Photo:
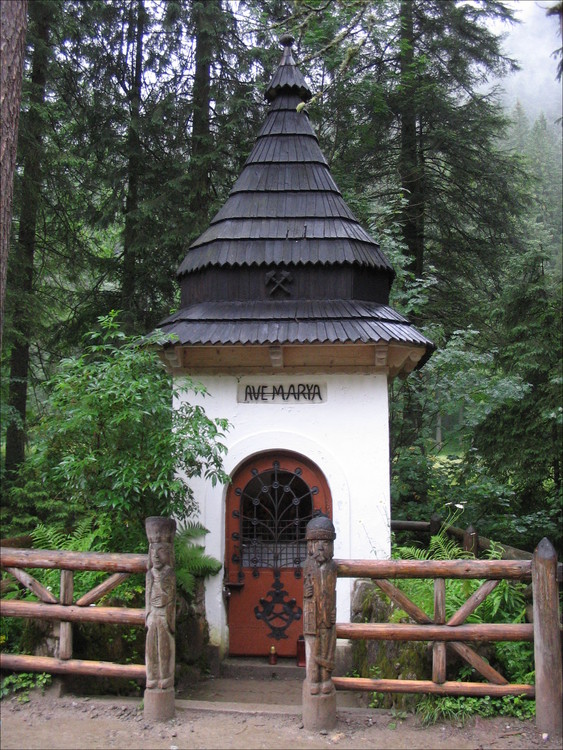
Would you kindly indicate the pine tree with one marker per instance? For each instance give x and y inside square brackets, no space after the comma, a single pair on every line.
[21,276]
[13,24]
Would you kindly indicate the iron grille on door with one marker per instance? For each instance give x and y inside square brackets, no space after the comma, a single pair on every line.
[275,507]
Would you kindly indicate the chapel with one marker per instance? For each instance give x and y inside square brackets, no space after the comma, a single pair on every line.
[285,319]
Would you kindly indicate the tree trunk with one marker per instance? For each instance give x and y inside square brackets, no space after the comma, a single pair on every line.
[409,166]
[204,16]
[13,24]
[21,278]
[134,168]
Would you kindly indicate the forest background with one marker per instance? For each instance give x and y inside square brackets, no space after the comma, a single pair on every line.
[136,118]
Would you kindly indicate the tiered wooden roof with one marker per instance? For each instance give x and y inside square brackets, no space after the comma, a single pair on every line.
[285,261]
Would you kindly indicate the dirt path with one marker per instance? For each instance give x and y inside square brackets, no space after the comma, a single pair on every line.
[52,723]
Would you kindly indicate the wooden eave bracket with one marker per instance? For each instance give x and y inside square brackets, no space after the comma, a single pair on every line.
[401,360]
[172,358]
[381,357]
[276,356]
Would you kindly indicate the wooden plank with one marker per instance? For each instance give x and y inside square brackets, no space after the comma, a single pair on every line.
[402,601]
[410,525]
[226,356]
[382,631]
[547,639]
[478,663]
[102,589]
[439,648]
[72,613]
[33,585]
[68,560]
[329,355]
[23,663]
[476,598]
[426,686]
[65,628]
[511,569]
[252,357]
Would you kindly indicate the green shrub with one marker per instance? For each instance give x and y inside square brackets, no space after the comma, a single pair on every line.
[433,708]
[22,683]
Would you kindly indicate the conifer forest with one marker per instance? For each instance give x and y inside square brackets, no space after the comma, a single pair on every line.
[135,119]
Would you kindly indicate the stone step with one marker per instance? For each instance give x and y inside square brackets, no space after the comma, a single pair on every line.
[258,668]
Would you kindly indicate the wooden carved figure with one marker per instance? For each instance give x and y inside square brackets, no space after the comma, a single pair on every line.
[160,603]
[319,605]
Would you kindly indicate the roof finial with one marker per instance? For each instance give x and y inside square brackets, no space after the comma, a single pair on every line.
[286,40]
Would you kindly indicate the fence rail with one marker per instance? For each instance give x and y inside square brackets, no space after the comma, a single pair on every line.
[471,540]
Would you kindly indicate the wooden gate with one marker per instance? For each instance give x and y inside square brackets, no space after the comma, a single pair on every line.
[269,503]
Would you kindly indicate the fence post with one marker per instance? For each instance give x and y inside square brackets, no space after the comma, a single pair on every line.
[160,619]
[319,626]
[435,524]
[439,647]
[65,628]
[471,540]
[547,639]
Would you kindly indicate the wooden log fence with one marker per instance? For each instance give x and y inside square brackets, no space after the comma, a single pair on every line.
[470,539]
[63,610]
[545,632]
[158,615]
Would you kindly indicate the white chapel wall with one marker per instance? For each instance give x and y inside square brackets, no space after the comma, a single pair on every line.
[345,434]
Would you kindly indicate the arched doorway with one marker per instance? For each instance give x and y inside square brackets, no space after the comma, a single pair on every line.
[272,497]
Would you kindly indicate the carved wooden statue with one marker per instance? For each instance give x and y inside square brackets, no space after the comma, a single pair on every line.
[160,603]
[319,605]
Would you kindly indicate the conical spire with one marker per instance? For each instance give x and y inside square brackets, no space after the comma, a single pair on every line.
[285,261]
[285,207]
[288,77]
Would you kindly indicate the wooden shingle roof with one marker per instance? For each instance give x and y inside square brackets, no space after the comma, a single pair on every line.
[285,260]
[289,322]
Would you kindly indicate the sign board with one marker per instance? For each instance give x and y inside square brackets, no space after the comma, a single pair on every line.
[293,392]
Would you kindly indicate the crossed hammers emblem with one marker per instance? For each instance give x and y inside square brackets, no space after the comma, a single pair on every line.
[279,280]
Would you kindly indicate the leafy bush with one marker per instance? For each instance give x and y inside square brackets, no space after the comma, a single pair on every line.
[433,708]
[112,442]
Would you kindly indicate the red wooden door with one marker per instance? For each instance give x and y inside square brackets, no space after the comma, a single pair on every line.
[270,501]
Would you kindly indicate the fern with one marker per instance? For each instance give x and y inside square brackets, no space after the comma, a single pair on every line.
[82,539]
[442,547]
[191,560]
[505,603]
[48,537]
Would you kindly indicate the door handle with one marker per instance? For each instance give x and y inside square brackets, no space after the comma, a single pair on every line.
[229,586]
